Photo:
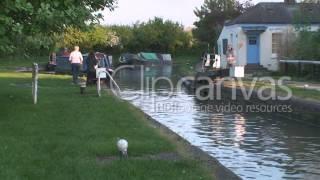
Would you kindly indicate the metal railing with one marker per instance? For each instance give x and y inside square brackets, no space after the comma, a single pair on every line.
[299,61]
[300,67]
[113,82]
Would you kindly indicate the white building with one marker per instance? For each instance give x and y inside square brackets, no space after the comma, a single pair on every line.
[256,35]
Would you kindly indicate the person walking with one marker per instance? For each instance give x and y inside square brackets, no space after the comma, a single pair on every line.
[52,62]
[65,52]
[230,57]
[76,61]
[92,62]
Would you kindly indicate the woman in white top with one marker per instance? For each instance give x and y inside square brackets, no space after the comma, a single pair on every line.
[230,57]
[76,60]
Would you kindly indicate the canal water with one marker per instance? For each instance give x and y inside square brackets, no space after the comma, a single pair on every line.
[252,145]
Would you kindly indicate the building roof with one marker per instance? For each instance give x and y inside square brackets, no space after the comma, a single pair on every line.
[280,13]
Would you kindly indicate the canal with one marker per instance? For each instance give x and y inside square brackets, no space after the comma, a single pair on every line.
[252,145]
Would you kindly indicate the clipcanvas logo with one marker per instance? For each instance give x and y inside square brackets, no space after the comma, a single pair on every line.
[264,88]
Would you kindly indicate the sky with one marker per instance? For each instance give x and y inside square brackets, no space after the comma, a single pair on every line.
[131,11]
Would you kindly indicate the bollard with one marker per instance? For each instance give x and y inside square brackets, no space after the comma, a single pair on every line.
[83,87]
[35,72]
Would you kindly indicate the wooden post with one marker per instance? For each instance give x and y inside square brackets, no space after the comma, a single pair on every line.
[299,69]
[317,71]
[313,71]
[286,68]
[99,86]
[35,71]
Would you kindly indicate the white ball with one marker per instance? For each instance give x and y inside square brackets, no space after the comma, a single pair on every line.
[122,145]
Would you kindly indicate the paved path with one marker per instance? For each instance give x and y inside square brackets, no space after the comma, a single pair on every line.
[300,84]
[305,85]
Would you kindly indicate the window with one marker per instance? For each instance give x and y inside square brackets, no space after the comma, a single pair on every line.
[225,46]
[231,37]
[252,41]
[276,42]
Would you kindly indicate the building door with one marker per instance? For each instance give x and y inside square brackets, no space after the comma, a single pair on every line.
[253,53]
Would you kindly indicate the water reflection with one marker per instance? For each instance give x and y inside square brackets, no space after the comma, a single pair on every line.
[240,129]
[254,146]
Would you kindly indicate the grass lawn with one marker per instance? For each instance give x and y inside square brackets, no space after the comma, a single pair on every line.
[305,93]
[62,136]
[12,62]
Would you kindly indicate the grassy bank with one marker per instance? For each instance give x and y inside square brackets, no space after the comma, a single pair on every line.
[305,93]
[13,62]
[308,94]
[66,133]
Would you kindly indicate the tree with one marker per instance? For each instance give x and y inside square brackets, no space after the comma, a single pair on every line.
[307,45]
[212,16]
[160,35]
[155,35]
[125,34]
[97,38]
[22,19]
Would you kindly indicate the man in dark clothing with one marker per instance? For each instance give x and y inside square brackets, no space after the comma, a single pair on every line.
[92,62]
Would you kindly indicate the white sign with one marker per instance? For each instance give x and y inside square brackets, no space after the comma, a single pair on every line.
[101,73]
[110,60]
[237,71]
[217,62]
[166,57]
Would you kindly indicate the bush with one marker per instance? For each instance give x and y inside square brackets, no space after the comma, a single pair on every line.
[98,38]
[308,45]
[155,35]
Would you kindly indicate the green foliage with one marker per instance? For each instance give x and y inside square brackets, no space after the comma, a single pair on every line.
[212,16]
[98,38]
[12,62]
[24,20]
[125,34]
[307,45]
[155,35]
[101,37]
[304,45]
[311,1]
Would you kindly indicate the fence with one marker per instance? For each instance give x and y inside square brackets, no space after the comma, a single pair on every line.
[301,68]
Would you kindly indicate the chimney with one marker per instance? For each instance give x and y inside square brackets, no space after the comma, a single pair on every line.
[290,1]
